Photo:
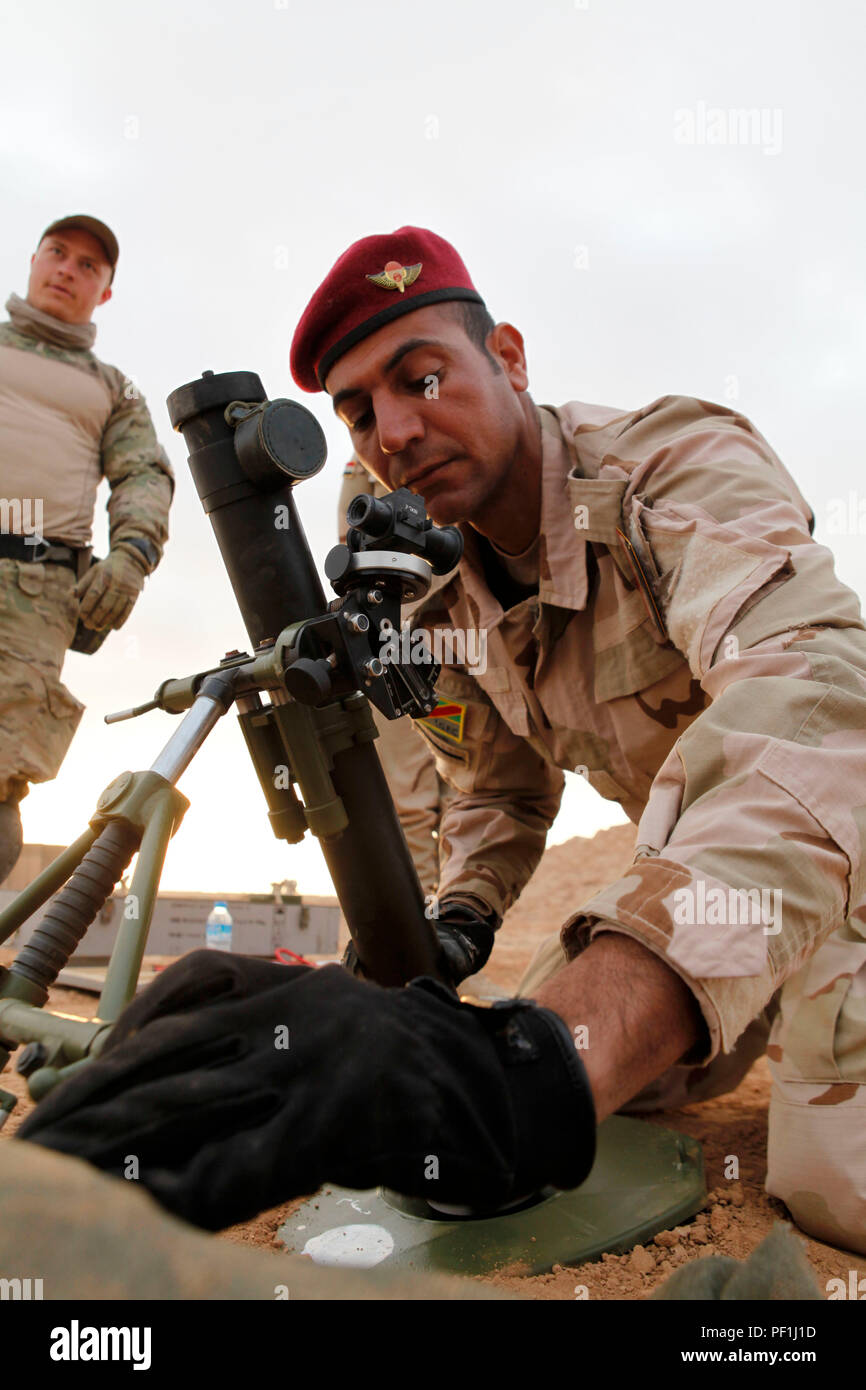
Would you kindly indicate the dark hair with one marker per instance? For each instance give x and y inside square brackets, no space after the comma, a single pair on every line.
[477,322]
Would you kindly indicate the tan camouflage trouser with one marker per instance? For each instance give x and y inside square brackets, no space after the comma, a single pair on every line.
[814,1034]
[38,715]
[420,795]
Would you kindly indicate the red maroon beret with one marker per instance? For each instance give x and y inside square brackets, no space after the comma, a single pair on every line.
[376,280]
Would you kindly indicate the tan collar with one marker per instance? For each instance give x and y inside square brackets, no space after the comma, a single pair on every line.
[562,558]
[563,562]
[37,324]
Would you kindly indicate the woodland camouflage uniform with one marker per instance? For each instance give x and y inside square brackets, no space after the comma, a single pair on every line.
[66,421]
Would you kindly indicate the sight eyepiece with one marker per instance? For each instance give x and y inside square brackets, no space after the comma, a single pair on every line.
[444,548]
[400,522]
[370,515]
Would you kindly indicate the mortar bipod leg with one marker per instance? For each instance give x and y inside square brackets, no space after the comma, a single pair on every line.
[128,951]
[164,811]
[44,886]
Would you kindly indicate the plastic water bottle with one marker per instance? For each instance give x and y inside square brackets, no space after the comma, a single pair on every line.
[218,931]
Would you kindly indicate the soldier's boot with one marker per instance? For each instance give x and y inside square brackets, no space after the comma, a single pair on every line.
[10,837]
[816,1152]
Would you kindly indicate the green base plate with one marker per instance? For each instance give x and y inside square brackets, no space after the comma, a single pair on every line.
[644,1180]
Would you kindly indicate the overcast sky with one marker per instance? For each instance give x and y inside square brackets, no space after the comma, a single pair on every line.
[589,162]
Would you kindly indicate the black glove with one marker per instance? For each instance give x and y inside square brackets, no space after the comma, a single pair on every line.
[238,1084]
[465,937]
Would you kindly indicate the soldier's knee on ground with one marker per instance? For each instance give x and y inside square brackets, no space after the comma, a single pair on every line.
[10,837]
[816,1160]
[816,1155]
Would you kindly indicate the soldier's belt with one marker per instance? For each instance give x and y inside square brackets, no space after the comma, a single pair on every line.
[43,552]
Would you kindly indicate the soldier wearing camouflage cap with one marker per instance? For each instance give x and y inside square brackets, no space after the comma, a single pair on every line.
[658,619]
[67,420]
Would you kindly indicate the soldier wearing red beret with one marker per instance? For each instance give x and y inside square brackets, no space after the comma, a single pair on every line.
[658,618]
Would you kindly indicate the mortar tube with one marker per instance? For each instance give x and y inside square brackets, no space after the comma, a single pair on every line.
[276,584]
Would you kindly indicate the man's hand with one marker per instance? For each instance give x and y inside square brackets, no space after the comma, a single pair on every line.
[238,1084]
[109,589]
[465,938]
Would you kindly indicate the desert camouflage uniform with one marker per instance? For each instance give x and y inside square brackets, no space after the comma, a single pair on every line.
[691,652]
[419,793]
[66,421]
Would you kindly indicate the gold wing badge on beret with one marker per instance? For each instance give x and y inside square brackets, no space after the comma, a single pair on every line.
[396,276]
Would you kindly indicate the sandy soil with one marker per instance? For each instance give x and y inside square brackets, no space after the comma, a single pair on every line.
[737,1215]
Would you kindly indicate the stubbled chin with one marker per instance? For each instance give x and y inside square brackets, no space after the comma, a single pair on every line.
[444,514]
[58,305]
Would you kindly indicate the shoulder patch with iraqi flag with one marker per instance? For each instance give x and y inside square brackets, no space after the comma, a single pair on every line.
[446,718]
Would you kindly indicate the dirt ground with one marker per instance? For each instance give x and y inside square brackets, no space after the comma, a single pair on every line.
[737,1215]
